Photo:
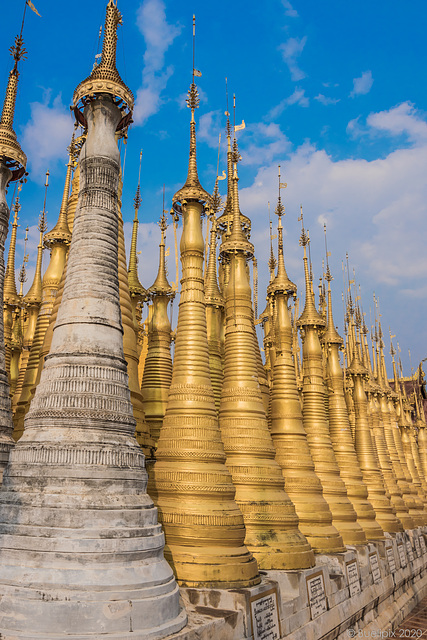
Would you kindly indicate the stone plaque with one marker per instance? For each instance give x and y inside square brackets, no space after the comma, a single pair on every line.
[375,566]
[265,616]
[423,544]
[402,555]
[353,577]
[390,558]
[417,545]
[409,551]
[316,594]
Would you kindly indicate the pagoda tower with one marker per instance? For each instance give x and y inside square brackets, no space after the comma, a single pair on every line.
[93,556]
[137,292]
[191,485]
[214,307]
[339,427]
[157,376]
[31,300]
[27,321]
[11,299]
[12,167]
[315,419]
[272,532]
[364,444]
[289,438]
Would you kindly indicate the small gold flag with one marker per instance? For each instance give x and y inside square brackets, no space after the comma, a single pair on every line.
[239,127]
[32,7]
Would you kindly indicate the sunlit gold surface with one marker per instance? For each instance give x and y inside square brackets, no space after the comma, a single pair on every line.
[10,294]
[364,446]
[157,375]
[272,532]
[142,431]
[315,420]
[214,316]
[339,427]
[289,438]
[192,486]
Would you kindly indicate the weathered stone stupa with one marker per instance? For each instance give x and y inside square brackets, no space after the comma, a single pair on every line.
[80,548]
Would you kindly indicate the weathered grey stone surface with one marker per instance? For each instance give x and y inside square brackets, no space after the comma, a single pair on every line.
[81,553]
[6,427]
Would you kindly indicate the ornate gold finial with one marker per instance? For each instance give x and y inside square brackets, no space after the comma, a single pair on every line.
[281,282]
[331,335]
[23,269]
[105,78]
[135,287]
[161,285]
[310,316]
[34,295]
[10,149]
[192,189]
[61,231]
[10,294]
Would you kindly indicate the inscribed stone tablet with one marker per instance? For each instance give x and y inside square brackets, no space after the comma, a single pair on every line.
[423,544]
[409,551]
[316,594]
[390,557]
[402,555]
[265,616]
[375,566]
[417,545]
[353,577]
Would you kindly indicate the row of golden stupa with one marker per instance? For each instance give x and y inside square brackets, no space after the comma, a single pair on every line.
[316,456]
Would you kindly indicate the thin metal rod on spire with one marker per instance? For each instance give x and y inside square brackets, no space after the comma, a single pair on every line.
[194,42]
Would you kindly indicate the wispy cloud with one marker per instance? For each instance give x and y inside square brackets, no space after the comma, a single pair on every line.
[291,50]
[44,151]
[326,100]
[261,143]
[401,120]
[362,85]
[289,10]
[209,127]
[298,97]
[158,35]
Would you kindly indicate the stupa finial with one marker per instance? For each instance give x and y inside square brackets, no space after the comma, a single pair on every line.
[104,77]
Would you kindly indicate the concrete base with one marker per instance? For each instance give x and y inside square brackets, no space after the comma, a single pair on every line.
[378,607]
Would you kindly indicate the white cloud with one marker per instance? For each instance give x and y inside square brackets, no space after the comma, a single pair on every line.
[291,50]
[289,10]
[209,127]
[326,100]
[298,97]
[44,151]
[402,119]
[362,85]
[375,210]
[158,36]
[261,143]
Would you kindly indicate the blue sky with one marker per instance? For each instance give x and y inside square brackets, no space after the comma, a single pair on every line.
[334,92]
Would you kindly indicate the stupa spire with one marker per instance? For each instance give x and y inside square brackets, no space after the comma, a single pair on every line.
[190,453]
[61,231]
[157,375]
[136,289]
[315,417]
[10,150]
[272,532]
[34,294]
[10,294]
[310,316]
[339,424]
